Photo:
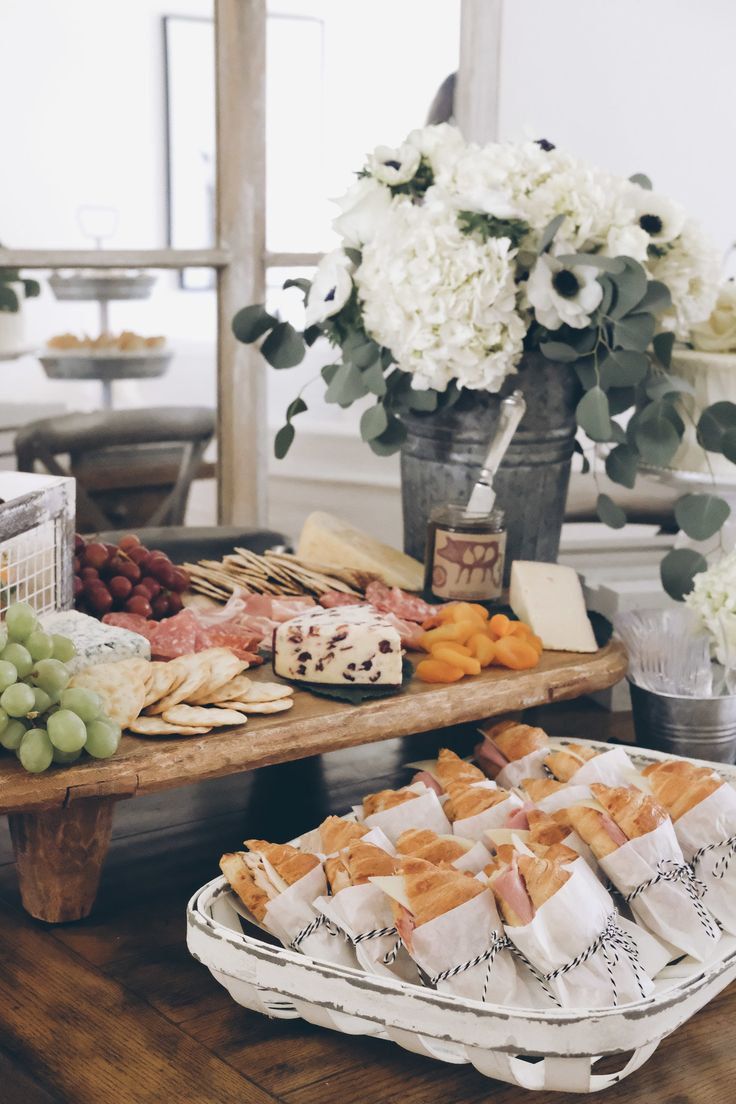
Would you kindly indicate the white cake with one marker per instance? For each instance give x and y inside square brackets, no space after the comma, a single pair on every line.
[12,327]
[713,378]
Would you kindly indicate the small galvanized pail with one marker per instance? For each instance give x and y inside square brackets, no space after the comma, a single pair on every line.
[702,728]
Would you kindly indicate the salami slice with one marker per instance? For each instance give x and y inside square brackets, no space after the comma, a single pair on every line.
[175,636]
[133,622]
[333,598]
[408,607]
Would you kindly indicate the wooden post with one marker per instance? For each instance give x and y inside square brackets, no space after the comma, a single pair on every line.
[59,854]
[478,80]
[240,46]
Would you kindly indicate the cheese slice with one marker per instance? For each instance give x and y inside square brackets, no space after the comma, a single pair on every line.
[550,599]
[327,540]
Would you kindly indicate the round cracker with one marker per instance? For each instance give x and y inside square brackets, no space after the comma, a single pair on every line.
[259,707]
[195,671]
[154,726]
[265,692]
[198,715]
[122,686]
[164,677]
[236,687]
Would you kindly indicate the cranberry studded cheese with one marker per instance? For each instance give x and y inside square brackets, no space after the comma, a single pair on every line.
[339,647]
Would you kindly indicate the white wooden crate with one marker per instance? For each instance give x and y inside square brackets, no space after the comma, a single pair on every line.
[535,1049]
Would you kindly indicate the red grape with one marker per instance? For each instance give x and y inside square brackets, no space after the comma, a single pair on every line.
[89,573]
[76,565]
[95,555]
[180,579]
[136,555]
[140,590]
[128,569]
[77,586]
[140,605]
[153,588]
[165,574]
[175,604]
[129,542]
[91,585]
[120,587]
[111,550]
[100,600]
[79,544]
[160,606]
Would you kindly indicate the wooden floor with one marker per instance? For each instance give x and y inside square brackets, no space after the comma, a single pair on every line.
[114,1010]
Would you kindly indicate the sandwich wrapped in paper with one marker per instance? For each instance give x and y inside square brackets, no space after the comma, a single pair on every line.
[549,795]
[511,752]
[449,924]
[580,764]
[278,884]
[361,912]
[633,839]
[565,925]
[332,835]
[447,767]
[702,807]
[393,811]
[462,854]
[474,809]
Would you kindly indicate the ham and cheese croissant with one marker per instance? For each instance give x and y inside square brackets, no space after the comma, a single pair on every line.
[386,799]
[337,832]
[539,788]
[627,813]
[544,829]
[566,761]
[467,801]
[257,882]
[523,886]
[422,843]
[506,742]
[356,864]
[505,853]
[679,786]
[451,768]
[427,892]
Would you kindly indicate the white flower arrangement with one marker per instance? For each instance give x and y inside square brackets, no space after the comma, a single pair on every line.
[713,599]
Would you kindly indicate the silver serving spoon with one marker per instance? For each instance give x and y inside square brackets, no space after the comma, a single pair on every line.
[483,496]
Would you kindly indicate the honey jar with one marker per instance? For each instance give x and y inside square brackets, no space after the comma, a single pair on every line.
[465,554]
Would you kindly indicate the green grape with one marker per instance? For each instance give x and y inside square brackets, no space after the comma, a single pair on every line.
[103,739]
[12,734]
[4,719]
[41,700]
[3,635]
[63,648]
[52,676]
[40,645]
[66,756]
[17,700]
[85,703]
[20,657]
[36,752]
[8,674]
[66,730]
[20,621]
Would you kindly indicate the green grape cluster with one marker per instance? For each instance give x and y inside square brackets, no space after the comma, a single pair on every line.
[42,719]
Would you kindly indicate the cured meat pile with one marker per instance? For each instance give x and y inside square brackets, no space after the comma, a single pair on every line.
[247,621]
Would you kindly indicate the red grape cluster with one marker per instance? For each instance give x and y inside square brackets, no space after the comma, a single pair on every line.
[128,577]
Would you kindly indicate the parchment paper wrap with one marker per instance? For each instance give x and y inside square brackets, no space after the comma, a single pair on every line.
[531,766]
[564,928]
[473,860]
[713,821]
[473,827]
[666,908]
[360,911]
[294,909]
[424,811]
[612,768]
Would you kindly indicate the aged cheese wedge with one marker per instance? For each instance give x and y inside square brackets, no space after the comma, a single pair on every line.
[327,540]
[550,599]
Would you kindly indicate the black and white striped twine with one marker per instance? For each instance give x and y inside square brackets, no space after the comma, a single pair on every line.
[680,874]
[721,865]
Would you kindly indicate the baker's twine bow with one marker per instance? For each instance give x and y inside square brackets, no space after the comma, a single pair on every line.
[680,874]
[320,920]
[721,865]
[613,942]
[497,943]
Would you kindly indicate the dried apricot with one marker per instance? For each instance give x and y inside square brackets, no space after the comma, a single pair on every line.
[434,670]
[518,654]
[447,654]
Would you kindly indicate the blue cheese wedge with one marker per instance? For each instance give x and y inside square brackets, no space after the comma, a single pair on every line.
[344,646]
[95,642]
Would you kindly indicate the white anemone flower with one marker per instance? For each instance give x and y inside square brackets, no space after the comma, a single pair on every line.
[331,287]
[658,216]
[394,166]
[364,206]
[562,294]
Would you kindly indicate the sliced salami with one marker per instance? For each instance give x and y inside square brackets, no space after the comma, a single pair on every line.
[176,636]
[331,599]
[408,607]
[133,622]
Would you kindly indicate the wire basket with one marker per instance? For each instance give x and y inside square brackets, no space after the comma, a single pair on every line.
[36,540]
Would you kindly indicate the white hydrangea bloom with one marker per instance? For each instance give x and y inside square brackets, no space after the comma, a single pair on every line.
[713,599]
[442,301]
[691,270]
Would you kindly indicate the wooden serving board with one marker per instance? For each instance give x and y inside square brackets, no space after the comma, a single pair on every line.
[314,725]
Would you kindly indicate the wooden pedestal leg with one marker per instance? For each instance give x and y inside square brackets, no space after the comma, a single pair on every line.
[59,855]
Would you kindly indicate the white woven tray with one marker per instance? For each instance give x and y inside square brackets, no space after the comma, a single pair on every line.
[550,1049]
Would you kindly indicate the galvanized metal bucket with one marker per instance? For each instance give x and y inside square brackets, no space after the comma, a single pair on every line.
[702,728]
[444,452]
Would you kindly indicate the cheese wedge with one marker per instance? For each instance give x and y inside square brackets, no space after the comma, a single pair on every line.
[550,599]
[327,540]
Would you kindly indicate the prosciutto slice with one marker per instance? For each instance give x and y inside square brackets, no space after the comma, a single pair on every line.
[429,781]
[407,607]
[510,885]
[489,758]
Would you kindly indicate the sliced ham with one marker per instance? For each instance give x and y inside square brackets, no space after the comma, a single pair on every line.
[404,925]
[510,885]
[429,781]
[334,598]
[610,826]
[489,758]
[518,818]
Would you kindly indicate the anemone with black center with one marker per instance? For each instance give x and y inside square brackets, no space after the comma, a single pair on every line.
[393,165]
[545,144]
[652,224]
[329,297]
[566,283]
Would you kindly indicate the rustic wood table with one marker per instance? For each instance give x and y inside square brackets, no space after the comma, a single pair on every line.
[113,1010]
[61,821]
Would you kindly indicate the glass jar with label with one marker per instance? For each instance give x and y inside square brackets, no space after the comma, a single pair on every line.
[465,554]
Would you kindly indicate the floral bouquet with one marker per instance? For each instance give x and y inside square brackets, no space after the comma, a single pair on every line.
[456,259]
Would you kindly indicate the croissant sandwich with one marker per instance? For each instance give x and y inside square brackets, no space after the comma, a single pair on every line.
[386,799]
[680,786]
[356,864]
[566,761]
[422,843]
[506,742]
[539,788]
[467,801]
[544,829]
[627,813]
[422,892]
[505,853]
[451,768]
[337,832]
[524,884]
[260,874]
